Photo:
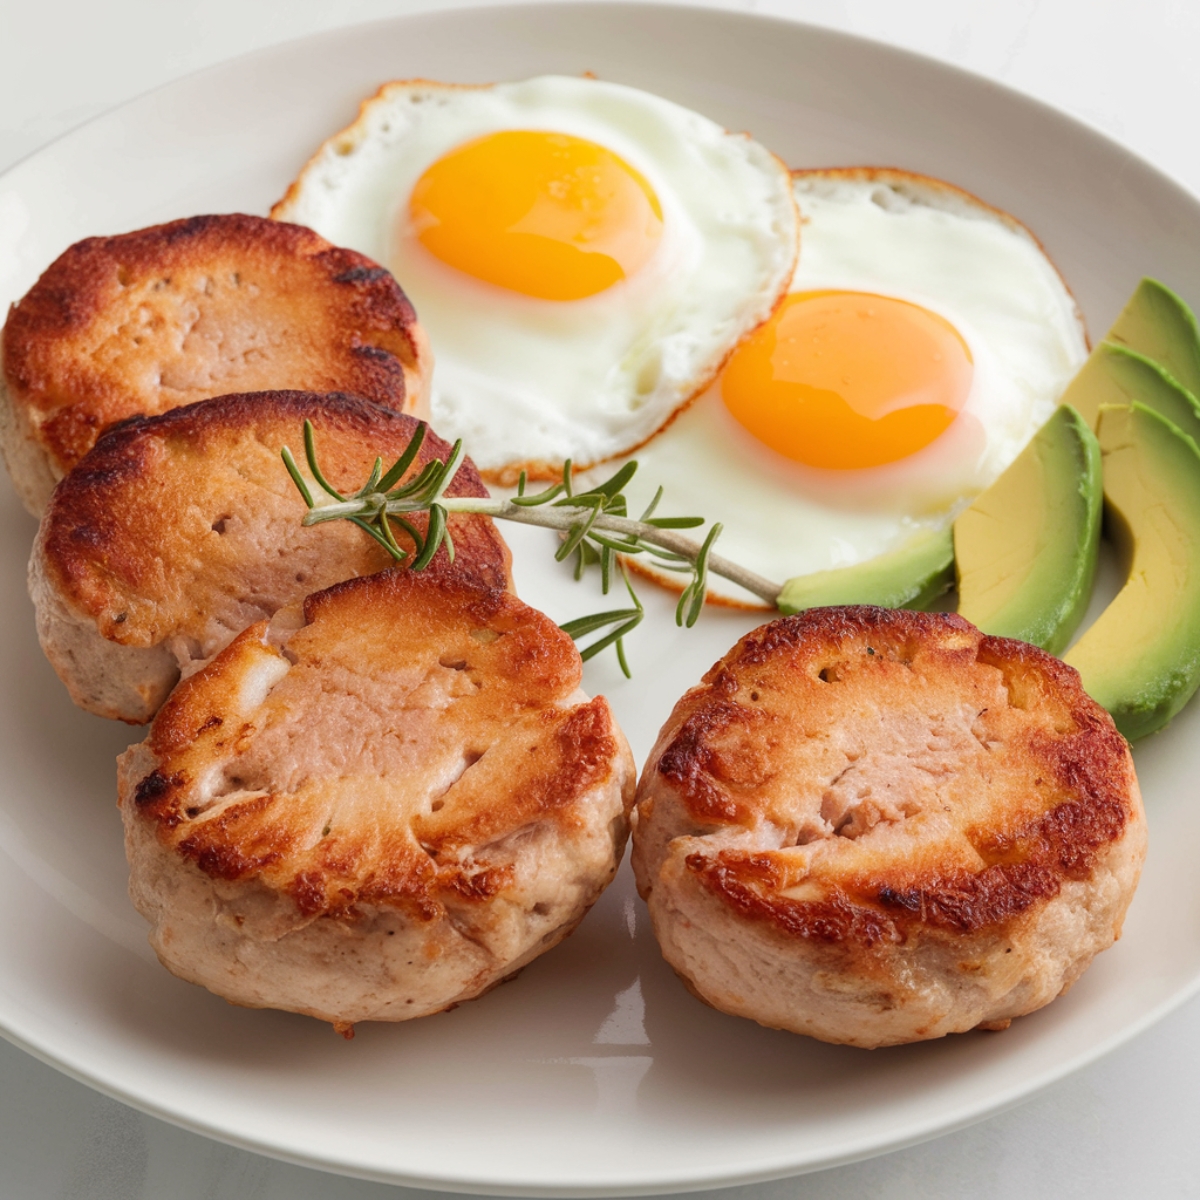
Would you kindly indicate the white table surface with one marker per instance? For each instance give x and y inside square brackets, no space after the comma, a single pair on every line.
[1127,1126]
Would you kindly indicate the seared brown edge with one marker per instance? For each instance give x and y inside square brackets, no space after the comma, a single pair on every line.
[85,539]
[415,875]
[72,292]
[1088,764]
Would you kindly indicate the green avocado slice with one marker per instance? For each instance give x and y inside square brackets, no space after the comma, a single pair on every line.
[1159,325]
[912,576]
[1141,658]
[1026,549]
[1116,375]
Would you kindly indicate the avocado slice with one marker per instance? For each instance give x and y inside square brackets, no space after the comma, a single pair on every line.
[1116,375]
[1026,549]
[1141,658]
[912,576]
[1159,325]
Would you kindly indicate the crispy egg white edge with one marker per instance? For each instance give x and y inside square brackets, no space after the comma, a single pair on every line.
[628,357]
[864,513]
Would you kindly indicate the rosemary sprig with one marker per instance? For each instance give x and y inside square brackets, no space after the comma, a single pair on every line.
[594,525]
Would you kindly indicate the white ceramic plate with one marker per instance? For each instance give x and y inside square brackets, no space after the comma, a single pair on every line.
[594,1073]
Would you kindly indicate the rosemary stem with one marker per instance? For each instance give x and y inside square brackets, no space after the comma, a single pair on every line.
[562,519]
[667,539]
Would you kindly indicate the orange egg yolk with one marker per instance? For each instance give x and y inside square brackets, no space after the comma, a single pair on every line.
[846,380]
[544,214]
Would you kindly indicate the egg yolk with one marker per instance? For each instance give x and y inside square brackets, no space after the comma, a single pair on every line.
[846,380]
[545,214]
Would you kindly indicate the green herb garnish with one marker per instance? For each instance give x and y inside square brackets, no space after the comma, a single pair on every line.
[594,525]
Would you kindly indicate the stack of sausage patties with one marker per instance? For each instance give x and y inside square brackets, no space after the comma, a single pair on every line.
[375,793]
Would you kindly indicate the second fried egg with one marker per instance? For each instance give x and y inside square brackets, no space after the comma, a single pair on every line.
[583,255]
[925,339]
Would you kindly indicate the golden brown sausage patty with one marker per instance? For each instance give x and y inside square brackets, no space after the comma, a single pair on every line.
[175,532]
[146,321]
[877,827]
[380,808]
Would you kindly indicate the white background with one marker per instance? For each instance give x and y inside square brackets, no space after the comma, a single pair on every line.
[1125,1127]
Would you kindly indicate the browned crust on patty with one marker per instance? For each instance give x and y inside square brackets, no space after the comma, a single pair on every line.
[1078,772]
[411,758]
[146,321]
[943,821]
[181,529]
[572,751]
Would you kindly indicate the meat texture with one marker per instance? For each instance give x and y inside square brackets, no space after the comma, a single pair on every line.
[176,532]
[378,806]
[147,321]
[877,827]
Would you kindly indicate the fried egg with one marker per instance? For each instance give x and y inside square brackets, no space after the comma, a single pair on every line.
[583,255]
[924,340]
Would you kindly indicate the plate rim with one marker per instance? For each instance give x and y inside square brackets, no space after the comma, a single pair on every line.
[689,8]
[921,1132]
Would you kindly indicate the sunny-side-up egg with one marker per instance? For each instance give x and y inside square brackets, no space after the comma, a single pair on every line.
[583,255]
[924,340]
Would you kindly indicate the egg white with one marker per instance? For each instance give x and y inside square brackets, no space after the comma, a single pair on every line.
[526,381]
[913,239]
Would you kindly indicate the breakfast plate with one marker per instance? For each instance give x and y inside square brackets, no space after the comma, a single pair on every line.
[594,1072]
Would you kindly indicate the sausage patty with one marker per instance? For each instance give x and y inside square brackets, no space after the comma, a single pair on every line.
[175,532]
[378,806]
[147,321]
[877,827]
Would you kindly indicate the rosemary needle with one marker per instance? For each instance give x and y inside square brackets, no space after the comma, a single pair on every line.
[594,526]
